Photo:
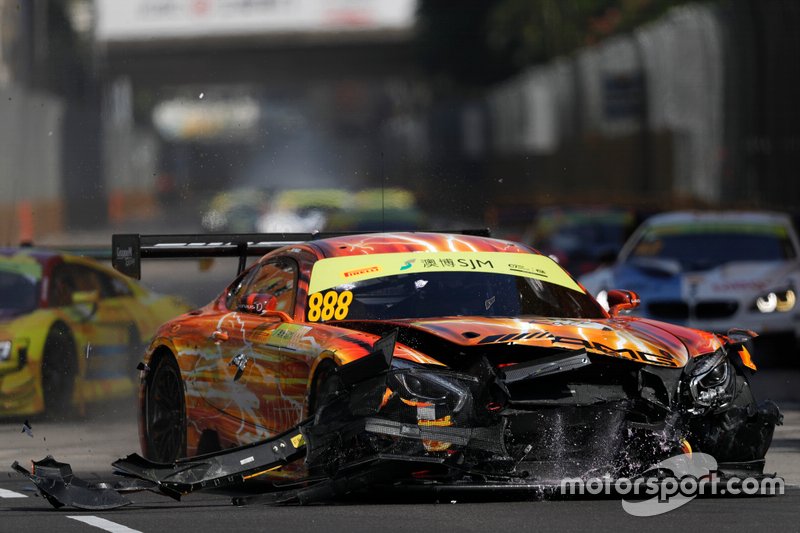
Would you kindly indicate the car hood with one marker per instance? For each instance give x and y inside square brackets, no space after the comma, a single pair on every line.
[737,280]
[639,340]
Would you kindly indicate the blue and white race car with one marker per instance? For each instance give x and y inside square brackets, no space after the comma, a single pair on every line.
[712,271]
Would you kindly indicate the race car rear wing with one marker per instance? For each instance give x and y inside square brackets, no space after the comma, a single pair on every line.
[128,249]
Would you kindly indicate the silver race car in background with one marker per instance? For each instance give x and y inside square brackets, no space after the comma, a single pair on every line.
[711,271]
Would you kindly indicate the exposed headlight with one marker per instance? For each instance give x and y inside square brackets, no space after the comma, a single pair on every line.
[779,301]
[710,383]
[706,363]
[5,350]
[429,388]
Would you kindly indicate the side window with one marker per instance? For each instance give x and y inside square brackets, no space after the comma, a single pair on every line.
[62,285]
[237,288]
[271,284]
[68,278]
[86,279]
[111,286]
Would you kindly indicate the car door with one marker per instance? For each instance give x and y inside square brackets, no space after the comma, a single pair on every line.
[248,379]
[85,298]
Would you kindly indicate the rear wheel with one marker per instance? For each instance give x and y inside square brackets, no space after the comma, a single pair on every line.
[165,412]
[59,362]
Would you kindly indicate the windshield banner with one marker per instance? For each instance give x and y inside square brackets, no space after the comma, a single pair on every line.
[336,271]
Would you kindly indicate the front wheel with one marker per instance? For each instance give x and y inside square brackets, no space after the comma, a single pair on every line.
[59,363]
[324,386]
[165,412]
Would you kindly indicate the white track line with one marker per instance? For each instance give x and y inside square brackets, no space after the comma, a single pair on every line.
[11,494]
[104,524]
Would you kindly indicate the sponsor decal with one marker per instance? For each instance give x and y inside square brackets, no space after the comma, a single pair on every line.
[538,272]
[663,358]
[323,307]
[288,335]
[457,264]
[298,440]
[126,256]
[362,271]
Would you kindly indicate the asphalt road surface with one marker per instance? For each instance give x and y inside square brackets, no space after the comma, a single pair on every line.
[91,444]
[210,512]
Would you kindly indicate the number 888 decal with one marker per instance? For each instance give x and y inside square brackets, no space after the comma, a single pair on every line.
[329,305]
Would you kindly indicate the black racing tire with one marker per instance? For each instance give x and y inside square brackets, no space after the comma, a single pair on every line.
[165,412]
[59,369]
[323,386]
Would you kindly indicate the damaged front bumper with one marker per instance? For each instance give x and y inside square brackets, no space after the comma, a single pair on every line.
[403,427]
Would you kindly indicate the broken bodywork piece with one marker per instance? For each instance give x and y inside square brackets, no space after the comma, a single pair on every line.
[57,484]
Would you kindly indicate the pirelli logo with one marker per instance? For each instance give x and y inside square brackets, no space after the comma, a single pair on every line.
[362,271]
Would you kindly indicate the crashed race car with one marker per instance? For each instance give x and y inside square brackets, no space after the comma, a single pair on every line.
[439,361]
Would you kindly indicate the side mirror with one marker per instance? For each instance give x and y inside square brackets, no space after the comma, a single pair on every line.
[257,303]
[619,300]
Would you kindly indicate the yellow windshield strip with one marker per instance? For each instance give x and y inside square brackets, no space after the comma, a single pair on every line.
[720,227]
[21,264]
[335,271]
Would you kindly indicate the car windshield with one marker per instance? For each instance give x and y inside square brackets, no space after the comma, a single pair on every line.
[464,294]
[698,248]
[587,237]
[17,293]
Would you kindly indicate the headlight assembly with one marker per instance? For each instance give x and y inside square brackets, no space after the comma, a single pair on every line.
[5,351]
[780,301]
[428,388]
[710,383]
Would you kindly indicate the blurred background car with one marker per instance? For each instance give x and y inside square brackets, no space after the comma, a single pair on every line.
[302,210]
[236,210]
[580,238]
[712,270]
[72,331]
[390,209]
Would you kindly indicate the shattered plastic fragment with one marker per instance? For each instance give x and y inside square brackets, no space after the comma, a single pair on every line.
[60,487]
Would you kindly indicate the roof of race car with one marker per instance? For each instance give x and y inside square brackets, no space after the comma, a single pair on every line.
[28,261]
[739,217]
[34,260]
[37,254]
[381,243]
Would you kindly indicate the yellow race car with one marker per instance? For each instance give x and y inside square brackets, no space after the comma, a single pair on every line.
[71,331]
